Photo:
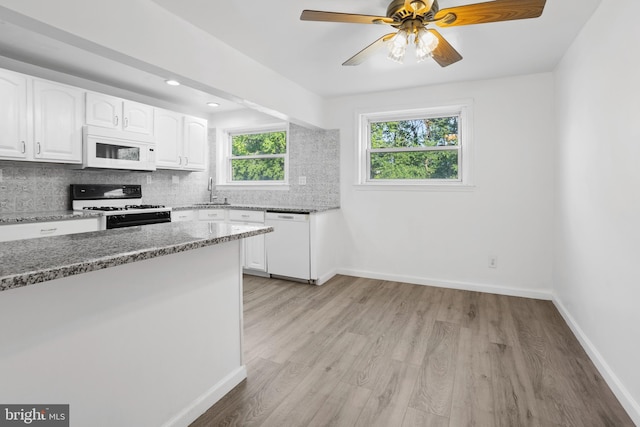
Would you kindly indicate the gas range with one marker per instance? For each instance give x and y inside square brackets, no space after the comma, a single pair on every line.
[120,205]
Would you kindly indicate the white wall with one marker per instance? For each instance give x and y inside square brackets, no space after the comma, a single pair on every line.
[597,244]
[445,237]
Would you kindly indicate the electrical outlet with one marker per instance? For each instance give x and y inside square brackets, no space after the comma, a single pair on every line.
[302,180]
[493,261]
[149,179]
[175,179]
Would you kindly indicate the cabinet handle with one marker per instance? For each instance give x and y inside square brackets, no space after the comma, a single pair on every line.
[116,117]
[126,122]
[245,216]
[47,230]
[180,160]
[24,147]
[186,161]
[285,217]
[39,149]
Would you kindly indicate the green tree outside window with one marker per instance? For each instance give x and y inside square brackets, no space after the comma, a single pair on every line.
[416,149]
[258,156]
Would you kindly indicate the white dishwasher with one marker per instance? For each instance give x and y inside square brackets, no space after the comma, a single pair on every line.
[288,247]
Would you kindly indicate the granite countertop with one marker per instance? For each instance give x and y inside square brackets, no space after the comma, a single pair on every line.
[286,209]
[22,217]
[26,262]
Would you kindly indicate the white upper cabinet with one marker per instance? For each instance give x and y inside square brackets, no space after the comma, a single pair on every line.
[13,115]
[104,111]
[138,117]
[181,141]
[168,132]
[57,122]
[39,120]
[195,143]
[116,113]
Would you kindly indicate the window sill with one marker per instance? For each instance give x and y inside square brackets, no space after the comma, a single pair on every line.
[262,187]
[457,187]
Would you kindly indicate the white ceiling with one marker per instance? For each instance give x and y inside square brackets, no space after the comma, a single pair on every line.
[311,53]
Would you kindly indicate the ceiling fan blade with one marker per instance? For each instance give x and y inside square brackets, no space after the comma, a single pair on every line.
[444,54]
[317,15]
[368,51]
[492,11]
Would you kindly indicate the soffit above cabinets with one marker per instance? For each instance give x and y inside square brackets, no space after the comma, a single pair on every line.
[31,53]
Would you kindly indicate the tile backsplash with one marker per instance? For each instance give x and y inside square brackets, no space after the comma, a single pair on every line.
[35,187]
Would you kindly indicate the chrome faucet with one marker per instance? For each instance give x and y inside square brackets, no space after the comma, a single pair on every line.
[210,188]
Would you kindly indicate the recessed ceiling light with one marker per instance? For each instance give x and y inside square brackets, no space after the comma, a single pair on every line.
[213,104]
[172,82]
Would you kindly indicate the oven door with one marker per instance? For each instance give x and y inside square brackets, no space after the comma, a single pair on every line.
[112,153]
[133,219]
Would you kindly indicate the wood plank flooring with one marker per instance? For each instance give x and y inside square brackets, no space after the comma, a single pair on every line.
[362,352]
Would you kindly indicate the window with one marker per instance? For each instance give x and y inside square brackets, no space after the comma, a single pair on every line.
[426,146]
[257,157]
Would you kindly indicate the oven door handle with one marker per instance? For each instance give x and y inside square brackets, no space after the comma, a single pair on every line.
[134,222]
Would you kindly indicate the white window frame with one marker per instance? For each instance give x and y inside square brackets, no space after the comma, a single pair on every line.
[461,109]
[224,158]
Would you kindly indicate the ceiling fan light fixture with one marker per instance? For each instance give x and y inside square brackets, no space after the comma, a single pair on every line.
[426,43]
[398,46]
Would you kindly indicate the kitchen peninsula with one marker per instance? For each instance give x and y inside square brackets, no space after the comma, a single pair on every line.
[136,326]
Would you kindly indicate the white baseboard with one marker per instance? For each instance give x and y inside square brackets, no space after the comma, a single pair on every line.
[465,286]
[326,277]
[617,387]
[200,405]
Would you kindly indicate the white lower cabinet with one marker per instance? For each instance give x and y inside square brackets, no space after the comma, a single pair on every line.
[181,216]
[32,230]
[255,258]
[302,246]
[217,215]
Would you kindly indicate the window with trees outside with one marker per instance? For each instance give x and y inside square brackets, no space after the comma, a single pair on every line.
[414,147]
[258,157]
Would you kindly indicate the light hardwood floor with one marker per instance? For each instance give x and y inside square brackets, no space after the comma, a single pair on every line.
[362,352]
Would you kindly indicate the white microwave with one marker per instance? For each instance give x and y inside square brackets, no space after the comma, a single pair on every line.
[113,149]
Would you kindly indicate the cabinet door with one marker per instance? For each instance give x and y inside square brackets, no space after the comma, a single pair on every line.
[104,111]
[13,115]
[195,144]
[181,216]
[57,122]
[32,230]
[168,135]
[254,253]
[138,118]
[217,215]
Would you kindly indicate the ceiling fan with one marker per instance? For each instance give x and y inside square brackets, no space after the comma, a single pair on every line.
[411,18]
